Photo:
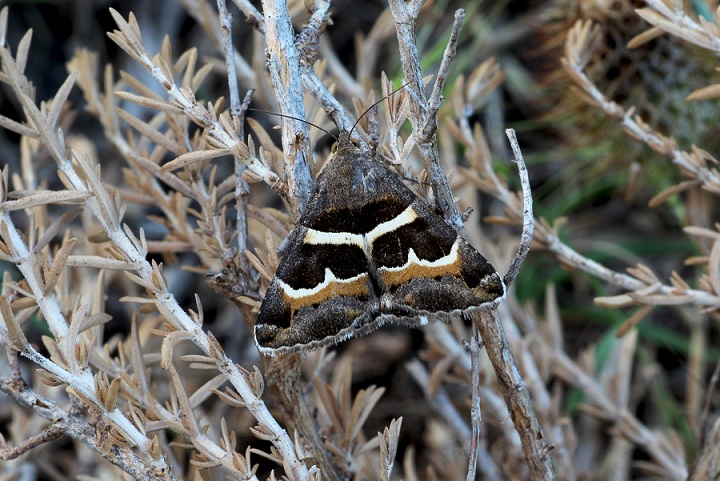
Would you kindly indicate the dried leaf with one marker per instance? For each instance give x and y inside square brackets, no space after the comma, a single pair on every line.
[705,93]
[16,337]
[633,320]
[193,157]
[327,398]
[714,267]
[230,397]
[98,262]
[169,342]
[111,397]
[46,197]
[51,380]
[57,266]
[263,434]
[18,128]
[58,224]
[658,199]
[23,51]
[207,389]
[365,402]
[702,232]
[59,101]
[645,37]
[622,300]
[388,448]
[150,132]
[189,421]
[149,103]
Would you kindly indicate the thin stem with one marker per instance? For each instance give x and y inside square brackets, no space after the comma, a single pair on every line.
[283,60]
[242,191]
[424,125]
[475,412]
[528,218]
[436,98]
[226,28]
[517,397]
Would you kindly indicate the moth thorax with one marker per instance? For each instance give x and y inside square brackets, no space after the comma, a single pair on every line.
[369,181]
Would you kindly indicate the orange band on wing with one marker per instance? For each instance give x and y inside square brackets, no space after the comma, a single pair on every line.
[330,287]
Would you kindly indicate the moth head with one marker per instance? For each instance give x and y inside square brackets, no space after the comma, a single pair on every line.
[344,143]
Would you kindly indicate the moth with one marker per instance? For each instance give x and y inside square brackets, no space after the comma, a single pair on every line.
[366,251]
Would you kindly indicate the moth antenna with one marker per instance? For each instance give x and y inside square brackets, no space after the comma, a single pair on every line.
[410,180]
[295,118]
[375,104]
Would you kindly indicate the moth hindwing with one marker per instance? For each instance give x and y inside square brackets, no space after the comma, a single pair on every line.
[366,251]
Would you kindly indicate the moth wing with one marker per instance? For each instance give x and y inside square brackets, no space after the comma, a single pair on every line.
[320,295]
[427,268]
